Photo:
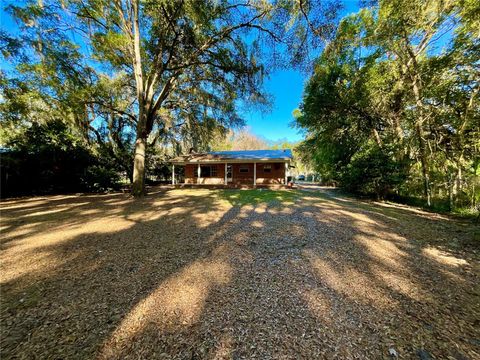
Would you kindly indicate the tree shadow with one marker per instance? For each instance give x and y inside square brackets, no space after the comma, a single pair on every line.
[66,282]
[392,271]
[180,274]
[433,226]
[292,293]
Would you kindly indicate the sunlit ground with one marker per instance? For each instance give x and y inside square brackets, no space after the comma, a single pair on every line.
[223,274]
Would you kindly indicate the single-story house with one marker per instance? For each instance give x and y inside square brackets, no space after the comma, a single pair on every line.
[234,168]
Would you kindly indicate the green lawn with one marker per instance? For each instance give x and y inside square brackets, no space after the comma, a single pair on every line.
[258,196]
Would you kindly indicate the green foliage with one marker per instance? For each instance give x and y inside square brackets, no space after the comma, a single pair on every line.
[50,158]
[388,111]
[373,171]
[99,178]
[158,167]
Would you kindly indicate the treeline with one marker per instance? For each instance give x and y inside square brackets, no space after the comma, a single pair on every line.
[244,139]
[392,109]
[52,157]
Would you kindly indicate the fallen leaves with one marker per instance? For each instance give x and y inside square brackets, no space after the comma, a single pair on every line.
[187,275]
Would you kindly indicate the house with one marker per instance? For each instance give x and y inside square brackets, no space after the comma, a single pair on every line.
[235,168]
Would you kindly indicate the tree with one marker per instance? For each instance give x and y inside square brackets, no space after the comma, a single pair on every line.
[190,42]
[50,157]
[176,57]
[384,81]
[243,139]
[417,24]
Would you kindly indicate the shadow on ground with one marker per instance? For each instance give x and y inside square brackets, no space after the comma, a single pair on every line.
[207,274]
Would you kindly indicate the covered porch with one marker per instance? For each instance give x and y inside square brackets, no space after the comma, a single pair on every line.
[232,174]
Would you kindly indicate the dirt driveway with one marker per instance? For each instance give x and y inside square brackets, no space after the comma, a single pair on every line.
[211,274]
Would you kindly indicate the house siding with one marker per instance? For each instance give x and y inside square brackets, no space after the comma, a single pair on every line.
[275,176]
[191,169]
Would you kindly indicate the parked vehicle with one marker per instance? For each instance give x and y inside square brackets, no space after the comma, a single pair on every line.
[301,177]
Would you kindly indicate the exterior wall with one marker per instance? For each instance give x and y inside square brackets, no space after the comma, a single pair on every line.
[189,174]
[239,178]
[191,170]
[275,176]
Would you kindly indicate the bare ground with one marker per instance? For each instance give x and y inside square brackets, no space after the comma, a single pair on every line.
[199,274]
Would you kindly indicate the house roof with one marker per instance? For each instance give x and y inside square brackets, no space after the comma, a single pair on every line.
[236,156]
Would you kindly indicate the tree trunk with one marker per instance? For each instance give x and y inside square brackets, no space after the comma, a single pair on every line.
[451,185]
[138,188]
[130,175]
[421,141]
[457,188]
[398,129]
[378,140]
[397,109]
[473,201]
[424,163]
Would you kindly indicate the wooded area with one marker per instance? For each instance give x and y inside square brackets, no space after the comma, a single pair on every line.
[99,93]
[392,108]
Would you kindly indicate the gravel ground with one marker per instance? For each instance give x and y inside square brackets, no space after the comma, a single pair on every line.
[201,274]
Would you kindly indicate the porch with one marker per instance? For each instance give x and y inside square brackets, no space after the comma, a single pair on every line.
[232,174]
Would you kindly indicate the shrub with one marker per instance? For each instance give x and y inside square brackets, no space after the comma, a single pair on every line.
[50,158]
[373,171]
[100,178]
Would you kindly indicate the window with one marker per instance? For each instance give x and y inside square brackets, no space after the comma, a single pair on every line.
[267,168]
[206,171]
[243,168]
[213,170]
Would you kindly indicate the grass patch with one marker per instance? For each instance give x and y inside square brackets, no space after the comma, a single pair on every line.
[467,212]
[257,196]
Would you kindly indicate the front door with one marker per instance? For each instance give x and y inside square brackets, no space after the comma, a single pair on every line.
[229,174]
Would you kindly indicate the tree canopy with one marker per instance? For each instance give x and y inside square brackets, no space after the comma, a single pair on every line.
[392,106]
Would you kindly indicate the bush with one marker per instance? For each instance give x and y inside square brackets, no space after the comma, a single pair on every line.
[372,171]
[50,158]
[99,178]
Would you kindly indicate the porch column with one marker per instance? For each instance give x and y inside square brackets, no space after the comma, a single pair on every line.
[286,169]
[226,180]
[173,174]
[198,174]
[254,174]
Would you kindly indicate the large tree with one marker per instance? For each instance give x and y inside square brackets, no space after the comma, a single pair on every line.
[167,45]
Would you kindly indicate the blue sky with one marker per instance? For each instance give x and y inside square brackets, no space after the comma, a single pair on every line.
[286,89]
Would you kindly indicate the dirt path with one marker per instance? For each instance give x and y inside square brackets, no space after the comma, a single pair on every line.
[199,274]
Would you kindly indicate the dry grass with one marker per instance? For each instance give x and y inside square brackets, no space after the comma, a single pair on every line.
[199,274]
